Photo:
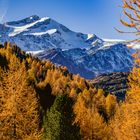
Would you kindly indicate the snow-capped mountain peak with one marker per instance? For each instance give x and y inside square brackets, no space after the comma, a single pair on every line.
[49,33]
[22,22]
[89,36]
[84,54]
[20,29]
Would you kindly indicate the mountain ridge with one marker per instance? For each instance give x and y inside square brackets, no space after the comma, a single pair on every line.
[84,54]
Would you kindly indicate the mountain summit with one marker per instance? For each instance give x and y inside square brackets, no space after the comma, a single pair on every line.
[34,33]
[84,54]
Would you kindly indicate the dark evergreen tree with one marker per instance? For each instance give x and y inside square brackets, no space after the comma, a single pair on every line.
[59,121]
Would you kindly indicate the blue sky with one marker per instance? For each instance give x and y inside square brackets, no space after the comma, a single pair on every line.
[87,16]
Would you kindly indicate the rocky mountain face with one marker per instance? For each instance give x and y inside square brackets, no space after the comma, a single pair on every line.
[115,83]
[84,54]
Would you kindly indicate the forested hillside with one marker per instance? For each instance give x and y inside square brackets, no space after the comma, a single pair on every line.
[115,83]
[41,101]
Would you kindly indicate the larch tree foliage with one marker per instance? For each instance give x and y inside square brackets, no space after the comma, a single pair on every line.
[126,124]
[131,10]
[91,122]
[19,117]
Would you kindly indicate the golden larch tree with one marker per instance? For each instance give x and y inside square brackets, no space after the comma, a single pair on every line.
[19,116]
[92,124]
[126,123]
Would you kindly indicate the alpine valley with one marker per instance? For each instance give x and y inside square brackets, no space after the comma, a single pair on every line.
[84,54]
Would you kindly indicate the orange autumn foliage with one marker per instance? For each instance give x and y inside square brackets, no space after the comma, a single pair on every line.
[19,116]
